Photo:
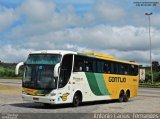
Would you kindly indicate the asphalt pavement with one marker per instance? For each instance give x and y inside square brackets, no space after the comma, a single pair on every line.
[147,101]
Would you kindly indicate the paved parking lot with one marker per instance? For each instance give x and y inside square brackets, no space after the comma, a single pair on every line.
[147,101]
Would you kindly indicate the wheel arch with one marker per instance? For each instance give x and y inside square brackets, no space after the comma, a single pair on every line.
[121,92]
[78,92]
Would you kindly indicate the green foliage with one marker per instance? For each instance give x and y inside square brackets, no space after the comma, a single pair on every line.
[151,85]
[156,76]
[148,77]
[155,66]
[8,72]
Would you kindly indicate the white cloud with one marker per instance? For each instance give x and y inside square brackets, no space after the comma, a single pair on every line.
[7,17]
[141,57]
[109,11]
[100,37]
[127,42]
[45,28]
[155,20]
[37,10]
[41,18]
[13,54]
[142,20]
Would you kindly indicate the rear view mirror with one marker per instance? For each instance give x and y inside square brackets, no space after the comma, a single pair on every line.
[56,70]
[17,67]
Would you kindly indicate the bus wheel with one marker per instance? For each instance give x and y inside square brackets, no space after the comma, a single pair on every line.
[125,98]
[77,99]
[121,96]
[128,94]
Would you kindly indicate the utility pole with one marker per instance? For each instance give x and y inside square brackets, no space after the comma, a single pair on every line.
[149,14]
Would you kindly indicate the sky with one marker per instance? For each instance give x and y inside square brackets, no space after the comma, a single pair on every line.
[115,27]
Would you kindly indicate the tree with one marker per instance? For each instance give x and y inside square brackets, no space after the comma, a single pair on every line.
[155,66]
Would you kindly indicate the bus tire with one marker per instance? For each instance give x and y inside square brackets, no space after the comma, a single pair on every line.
[121,96]
[77,99]
[128,93]
[125,98]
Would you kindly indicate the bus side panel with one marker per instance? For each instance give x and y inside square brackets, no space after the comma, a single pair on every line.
[116,83]
[96,86]
[135,86]
[92,86]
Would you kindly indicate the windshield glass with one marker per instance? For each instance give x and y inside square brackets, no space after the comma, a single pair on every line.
[49,59]
[39,77]
[39,71]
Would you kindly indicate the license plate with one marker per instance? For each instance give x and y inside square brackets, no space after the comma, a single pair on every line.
[36,99]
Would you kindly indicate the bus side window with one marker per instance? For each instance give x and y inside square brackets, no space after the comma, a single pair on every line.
[107,67]
[121,69]
[88,65]
[94,65]
[136,71]
[126,69]
[114,68]
[133,70]
[80,67]
[78,64]
[100,66]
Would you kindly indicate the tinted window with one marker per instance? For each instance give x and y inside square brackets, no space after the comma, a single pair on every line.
[65,70]
[114,68]
[133,70]
[43,59]
[82,63]
[88,64]
[79,64]
[100,66]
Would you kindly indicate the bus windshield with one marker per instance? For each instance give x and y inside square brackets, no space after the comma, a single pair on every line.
[39,71]
[49,59]
[39,77]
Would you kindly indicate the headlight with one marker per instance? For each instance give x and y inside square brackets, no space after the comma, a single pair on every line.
[23,92]
[53,94]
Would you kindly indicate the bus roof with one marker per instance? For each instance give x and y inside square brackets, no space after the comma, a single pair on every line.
[107,57]
[89,54]
[63,52]
[100,55]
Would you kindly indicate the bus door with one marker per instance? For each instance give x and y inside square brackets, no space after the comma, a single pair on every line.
[65,70]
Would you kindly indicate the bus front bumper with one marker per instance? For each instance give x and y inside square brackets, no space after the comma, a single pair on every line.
[39,99]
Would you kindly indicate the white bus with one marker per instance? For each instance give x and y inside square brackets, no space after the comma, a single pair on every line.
[58,77]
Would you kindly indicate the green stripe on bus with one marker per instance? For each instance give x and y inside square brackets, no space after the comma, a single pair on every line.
[97,83]
[101,84]
[93,83]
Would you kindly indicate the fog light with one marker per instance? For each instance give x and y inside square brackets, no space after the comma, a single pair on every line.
[52,100]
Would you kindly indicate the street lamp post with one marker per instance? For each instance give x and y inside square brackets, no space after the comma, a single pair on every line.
[149,14]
